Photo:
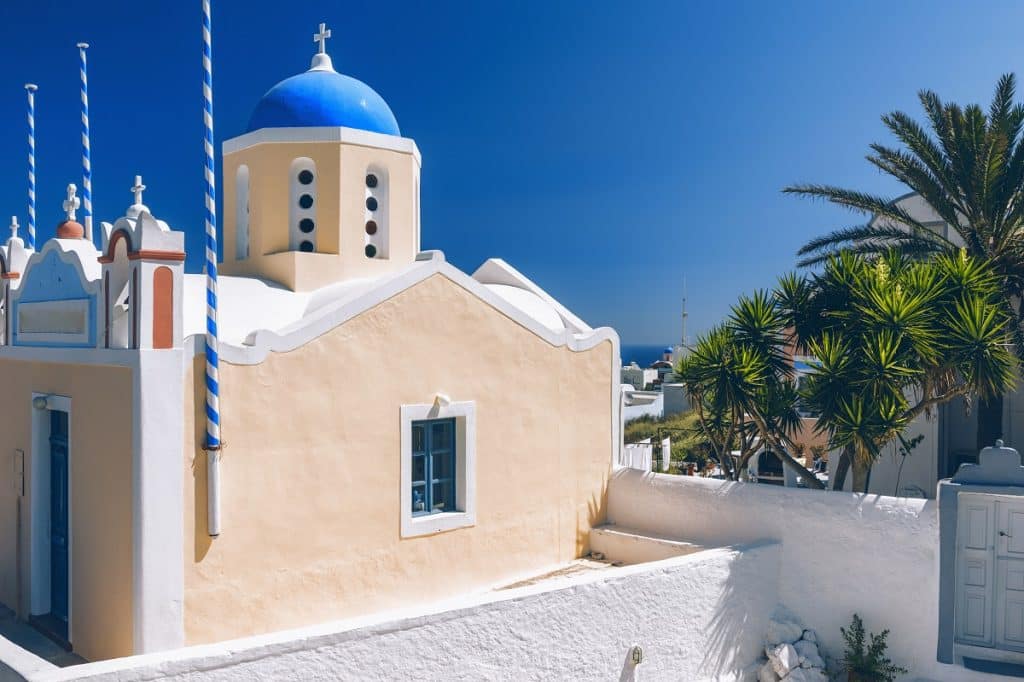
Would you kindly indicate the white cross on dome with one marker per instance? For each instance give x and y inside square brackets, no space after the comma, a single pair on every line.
[321,37]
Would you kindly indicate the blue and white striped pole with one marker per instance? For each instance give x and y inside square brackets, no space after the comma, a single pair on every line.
[86,163]
[213,442]
[30,88]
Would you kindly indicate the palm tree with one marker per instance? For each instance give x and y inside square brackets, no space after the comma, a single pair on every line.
[969,168]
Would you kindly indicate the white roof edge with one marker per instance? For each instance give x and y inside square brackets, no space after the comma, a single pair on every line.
[497,271]
[71,253]
[363,138]
[328,317]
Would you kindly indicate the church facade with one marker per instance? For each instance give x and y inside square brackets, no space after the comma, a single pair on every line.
[396,431]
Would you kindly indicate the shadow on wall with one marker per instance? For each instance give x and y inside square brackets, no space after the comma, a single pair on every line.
[203,541]
[734,622]
[597,514]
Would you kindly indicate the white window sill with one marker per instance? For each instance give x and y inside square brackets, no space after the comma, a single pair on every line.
[429,524]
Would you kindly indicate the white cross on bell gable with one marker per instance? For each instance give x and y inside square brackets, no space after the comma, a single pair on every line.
[137,189]
[72,203]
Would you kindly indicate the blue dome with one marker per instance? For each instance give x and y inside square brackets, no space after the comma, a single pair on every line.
[323,97]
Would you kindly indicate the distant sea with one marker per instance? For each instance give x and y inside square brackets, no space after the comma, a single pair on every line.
[643,355]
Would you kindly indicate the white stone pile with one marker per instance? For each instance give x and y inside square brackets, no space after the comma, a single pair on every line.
[792,651]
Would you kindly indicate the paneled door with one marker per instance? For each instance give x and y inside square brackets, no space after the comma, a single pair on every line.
[990,572]
[1009,600]
[975,569]
[59,520]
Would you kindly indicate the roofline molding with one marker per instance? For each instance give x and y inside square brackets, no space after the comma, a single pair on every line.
[353,136]
[262,342]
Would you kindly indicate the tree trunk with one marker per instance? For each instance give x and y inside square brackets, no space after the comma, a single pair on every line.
[842,467]
[741,468]
[808,477]
[990,421]
[861,470]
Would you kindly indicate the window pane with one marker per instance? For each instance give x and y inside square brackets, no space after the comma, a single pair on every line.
[441,436]
[419,468]
[417,438]
[419,499]
[444,465]
[444,497]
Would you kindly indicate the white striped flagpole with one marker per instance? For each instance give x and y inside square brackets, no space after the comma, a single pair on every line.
[86,163]
[31,90]
[213,442]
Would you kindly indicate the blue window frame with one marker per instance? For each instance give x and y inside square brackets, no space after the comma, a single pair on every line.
[433,466]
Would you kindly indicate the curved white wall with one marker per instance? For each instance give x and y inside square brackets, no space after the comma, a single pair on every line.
[841,553]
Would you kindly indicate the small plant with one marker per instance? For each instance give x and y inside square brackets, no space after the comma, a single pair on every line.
[867,663]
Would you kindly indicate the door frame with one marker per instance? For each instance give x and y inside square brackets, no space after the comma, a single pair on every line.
[997,555]
[39,555]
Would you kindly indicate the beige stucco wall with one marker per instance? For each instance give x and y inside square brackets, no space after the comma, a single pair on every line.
[310,473]
[101,500]
[341,192]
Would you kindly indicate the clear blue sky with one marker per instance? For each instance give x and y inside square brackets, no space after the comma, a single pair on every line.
[605,149]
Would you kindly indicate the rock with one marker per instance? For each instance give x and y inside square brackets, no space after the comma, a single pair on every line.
[783,628]
[818,663]
[806,649]
[806,675]
[767,673]
[784,658]
[809,655]
[810,636]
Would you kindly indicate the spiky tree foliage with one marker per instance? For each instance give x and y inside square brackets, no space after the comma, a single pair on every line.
[894,337]
[968,165]
[740,383]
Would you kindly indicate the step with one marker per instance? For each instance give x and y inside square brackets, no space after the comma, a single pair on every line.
[622,545]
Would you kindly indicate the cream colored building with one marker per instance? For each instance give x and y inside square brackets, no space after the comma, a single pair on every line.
[354,479]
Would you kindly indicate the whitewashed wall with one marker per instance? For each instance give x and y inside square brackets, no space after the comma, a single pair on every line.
[841,553]
[694,616]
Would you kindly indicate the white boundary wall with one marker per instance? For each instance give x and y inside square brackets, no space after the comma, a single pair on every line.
[841,553]
[694,616]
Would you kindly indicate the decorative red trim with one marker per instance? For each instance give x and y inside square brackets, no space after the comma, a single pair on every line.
[109,256]
[106,308]
[10,275]
[177,256]
[134,303]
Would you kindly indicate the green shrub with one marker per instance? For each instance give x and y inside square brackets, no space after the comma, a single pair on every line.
[687,442]
[864,662]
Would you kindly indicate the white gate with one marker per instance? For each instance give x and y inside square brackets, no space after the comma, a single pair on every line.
[990,572]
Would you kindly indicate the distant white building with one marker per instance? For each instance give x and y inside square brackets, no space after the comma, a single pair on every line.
[639,377]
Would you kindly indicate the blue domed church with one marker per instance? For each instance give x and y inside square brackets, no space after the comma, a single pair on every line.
[393,431]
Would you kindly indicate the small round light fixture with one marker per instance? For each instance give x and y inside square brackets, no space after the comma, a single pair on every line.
[39,402]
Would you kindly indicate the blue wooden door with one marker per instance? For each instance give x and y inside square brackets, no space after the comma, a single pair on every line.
[59,520]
